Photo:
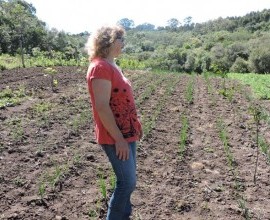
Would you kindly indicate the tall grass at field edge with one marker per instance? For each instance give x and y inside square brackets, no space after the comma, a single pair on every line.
[260,83]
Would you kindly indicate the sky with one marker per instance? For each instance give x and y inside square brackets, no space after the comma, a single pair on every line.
[76,16]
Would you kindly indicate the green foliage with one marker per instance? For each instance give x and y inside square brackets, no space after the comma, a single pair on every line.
[21,31]
[52,72]
[145,27]
[9,62]
[55,177]
[222,42]
[126,23]
[17,131]
[131,64]
[224,138]
[40,59]
[42,107]
[219,69]
[180,46]
[183,136]
[42,189]
[257,112]
[264,147]
[42,110]
[51,179]
[245,210]
[259,83]
[9,97]
[189,91]
[238,50]
[190,63]
[173,23]
[260,59]
[102,185]
[240,66]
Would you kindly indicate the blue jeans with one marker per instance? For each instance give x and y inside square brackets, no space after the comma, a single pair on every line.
[125,171]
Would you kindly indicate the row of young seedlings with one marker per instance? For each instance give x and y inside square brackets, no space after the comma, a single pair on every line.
[95,212]
[232,167]
[257,111]
[149,90]
[210,89]
[53,178]
[258,115]
[106,185]
[50,179]
[189,97]
[43,112]
[141,80]
[149,123]
[228,93]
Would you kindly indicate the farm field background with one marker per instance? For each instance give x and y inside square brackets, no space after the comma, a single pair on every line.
[196,160]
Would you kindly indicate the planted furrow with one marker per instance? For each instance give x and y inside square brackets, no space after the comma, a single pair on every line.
[157,161]
[237,136]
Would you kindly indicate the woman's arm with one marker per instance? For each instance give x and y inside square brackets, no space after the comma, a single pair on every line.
[102,94]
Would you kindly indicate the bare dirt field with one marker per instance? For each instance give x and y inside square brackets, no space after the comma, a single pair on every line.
[52,168]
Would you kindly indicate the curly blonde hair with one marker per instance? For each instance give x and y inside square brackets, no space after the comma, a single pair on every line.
[98,43]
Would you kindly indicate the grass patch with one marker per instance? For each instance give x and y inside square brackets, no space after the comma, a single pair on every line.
[260,83]
[10,98]
[11,62]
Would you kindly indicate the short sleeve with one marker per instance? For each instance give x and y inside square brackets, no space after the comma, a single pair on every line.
[101,71]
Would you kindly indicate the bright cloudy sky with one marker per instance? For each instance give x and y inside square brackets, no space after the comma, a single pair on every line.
[75,16]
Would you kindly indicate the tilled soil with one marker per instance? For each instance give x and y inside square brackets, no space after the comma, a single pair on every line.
[52,168]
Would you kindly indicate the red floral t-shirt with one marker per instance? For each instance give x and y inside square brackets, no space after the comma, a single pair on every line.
[121,102]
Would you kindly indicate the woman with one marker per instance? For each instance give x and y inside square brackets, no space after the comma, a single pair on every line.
[117,126]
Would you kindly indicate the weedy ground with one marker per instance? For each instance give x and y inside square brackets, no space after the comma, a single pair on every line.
[196,160]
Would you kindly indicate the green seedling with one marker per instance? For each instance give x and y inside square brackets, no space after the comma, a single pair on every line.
[258,115]
[42,190]
[54,82]
[183,136]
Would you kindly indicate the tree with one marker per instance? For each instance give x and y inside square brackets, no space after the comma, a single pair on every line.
[126,23]
[237,50]
[145,27]
[187,21]
[22,29]
[260,60]
[20,22]
[240,66]
[173,23]
[5,39]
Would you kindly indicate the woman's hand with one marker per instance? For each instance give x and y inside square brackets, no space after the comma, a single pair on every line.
[122,149]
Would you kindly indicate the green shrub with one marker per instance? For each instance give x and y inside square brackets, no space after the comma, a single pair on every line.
[240,66]
[260,60]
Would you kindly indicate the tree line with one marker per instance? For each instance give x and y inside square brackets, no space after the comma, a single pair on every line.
[235,44]
[21,32]
[232,44]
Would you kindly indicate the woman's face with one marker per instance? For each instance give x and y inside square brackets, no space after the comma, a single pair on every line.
[117,46]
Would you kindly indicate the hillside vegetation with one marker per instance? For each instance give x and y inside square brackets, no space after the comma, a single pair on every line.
[232,44]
